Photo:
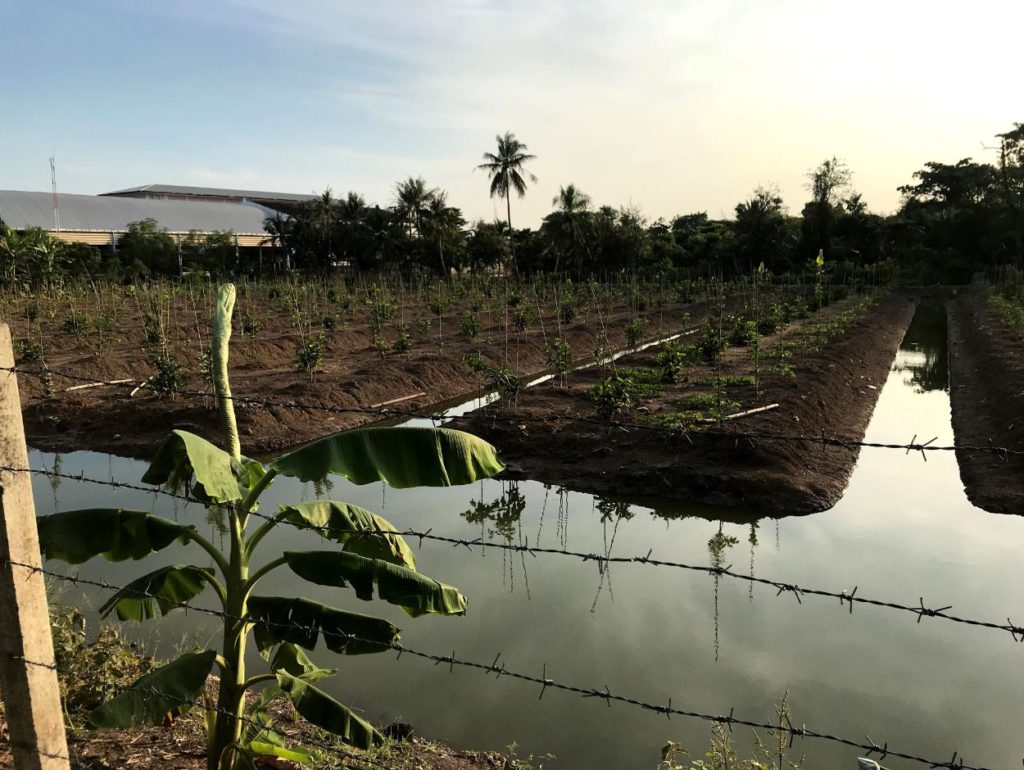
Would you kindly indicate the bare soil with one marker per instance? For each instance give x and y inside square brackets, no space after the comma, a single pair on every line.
[353,375]
[833,392]
[986,365]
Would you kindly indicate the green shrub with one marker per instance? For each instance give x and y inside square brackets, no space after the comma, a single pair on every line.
[28,352]
[470,324]
[770,319]
[672,358]
[622,391]
[153,329]
[559,358]
[310,354]
[742,331]
[75,324]
[476,362]
[525,317]
[403,341]
[170,373]
[635,331]
[711,344]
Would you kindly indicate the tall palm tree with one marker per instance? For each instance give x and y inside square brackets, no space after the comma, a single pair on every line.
[442,221]
[567,226]
[506,169]
[411,199]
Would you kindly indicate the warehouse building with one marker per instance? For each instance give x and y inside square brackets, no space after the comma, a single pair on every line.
[285,202]
[100,220]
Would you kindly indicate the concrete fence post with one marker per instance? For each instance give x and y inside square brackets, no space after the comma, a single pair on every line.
[31,694]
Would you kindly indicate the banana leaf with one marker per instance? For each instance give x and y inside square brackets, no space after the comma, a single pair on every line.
[403,457]
[416,594]
[174,687]
[114,533]
[219,477]
[301,621]
[325,712]
[295,661]
[163,590]
[359,530]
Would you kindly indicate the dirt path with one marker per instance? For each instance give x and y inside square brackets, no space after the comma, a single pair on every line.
[986,366]
[833,392]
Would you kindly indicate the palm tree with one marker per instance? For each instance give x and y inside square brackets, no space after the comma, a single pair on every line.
[504,169]
[442,221]
[280,228]
[568,224]
[411,199]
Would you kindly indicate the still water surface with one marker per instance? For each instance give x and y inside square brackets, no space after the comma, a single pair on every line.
[903,530]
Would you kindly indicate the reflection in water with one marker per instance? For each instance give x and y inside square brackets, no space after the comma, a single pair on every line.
[505,514]
[716,549]
[922,357]
[614,512]
[904,529]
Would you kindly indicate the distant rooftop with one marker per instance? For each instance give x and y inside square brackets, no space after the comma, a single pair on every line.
[185,191]
[95,213]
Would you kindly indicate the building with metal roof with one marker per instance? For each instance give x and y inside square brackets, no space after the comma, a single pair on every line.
[274,200]
[100,219]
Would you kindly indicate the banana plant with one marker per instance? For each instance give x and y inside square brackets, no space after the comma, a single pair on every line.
[366,554]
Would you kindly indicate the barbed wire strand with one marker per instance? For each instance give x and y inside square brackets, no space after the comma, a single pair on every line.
[845,597]
[956,762]
[385,413]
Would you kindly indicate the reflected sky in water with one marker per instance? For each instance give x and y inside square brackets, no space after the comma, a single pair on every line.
[903,530]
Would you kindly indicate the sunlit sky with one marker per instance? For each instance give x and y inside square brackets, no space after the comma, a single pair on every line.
[671,106]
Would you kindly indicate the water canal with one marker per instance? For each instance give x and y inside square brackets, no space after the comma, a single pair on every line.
[903,530]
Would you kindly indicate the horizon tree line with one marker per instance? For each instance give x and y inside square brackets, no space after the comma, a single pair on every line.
[954,220]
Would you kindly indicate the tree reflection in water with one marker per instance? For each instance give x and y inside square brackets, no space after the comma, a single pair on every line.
[504,514]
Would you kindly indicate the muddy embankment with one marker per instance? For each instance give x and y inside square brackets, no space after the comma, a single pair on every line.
[986,368]
[353,376]
[833,393]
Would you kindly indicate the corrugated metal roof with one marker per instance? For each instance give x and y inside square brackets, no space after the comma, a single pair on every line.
[220,192]
[20,210]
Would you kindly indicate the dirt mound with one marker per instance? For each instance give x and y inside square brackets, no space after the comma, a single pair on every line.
[986,364]
[833,393]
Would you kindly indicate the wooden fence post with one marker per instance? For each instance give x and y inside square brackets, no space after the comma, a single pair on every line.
[31,695]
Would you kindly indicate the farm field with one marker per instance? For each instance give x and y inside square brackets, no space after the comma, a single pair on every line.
[378,343]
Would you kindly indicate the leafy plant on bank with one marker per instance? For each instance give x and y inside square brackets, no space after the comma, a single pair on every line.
[559,357]
[770,753]
[170,372]
[365,554]
[635,331]
[624,390]
[470,323]
[310,355]
[672,358]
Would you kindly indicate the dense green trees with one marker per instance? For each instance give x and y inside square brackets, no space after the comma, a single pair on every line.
[954,220]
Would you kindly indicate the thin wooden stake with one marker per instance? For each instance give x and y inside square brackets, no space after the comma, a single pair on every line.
[30,692]
[396,400]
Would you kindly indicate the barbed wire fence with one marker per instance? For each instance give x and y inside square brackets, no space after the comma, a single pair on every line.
[787,727]
[846,598]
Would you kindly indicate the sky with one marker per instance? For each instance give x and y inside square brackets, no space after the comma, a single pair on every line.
[668,106]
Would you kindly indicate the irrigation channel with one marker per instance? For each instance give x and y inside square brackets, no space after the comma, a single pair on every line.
[903,530]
